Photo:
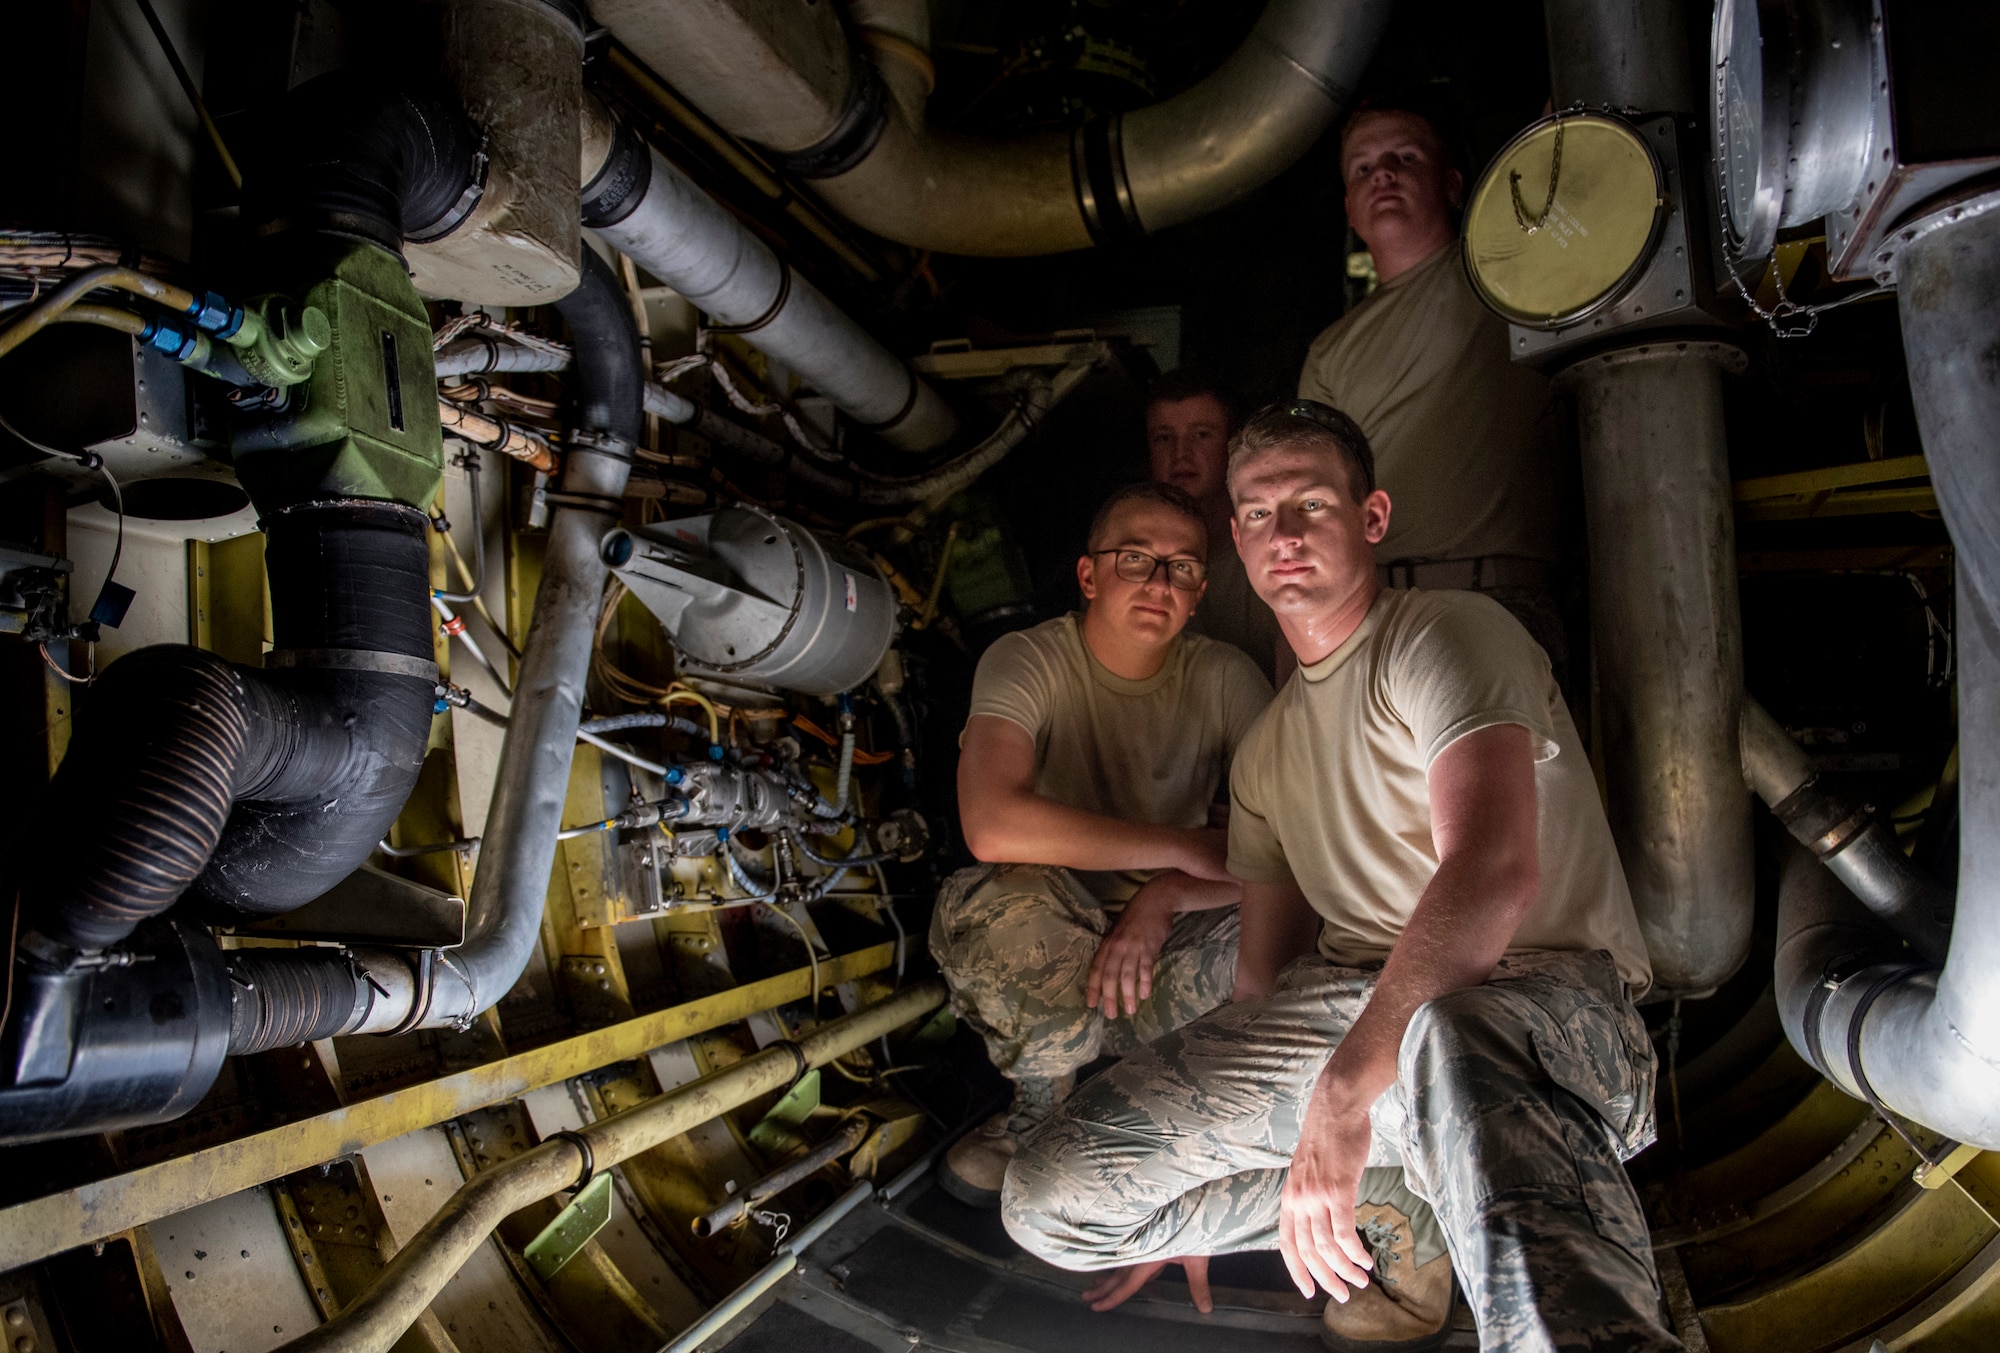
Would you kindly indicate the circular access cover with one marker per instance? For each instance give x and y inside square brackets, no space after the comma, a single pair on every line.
[1549,240]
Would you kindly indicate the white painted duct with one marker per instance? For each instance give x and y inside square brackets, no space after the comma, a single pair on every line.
[644,207]
[786,77]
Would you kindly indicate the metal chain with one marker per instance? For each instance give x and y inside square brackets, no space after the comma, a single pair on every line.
[1788,318]
[1549,202]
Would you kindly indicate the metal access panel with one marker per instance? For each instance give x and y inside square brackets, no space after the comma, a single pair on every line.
[1676,289]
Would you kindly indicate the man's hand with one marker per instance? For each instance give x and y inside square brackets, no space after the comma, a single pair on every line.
[1126,958]
[1316,1231]
[1121,1283]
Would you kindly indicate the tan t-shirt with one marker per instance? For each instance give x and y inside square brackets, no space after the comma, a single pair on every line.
[1150,751]
[1330,788]
[1465,440]
[1232,613]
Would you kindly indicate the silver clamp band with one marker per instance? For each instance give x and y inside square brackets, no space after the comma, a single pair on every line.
[352,660]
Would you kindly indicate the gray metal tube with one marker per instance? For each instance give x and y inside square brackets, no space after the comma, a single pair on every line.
[504,915]
[726,1214]
[1621,54]
[1849,838]
[767,1277]
[1928,1041]
[785,85]
[1669,648]
[691,242]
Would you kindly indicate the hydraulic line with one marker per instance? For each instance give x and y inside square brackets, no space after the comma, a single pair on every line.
[727,1214]
[374,1321]
[173,297]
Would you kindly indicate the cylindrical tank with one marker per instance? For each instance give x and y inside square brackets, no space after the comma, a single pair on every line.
[752,597]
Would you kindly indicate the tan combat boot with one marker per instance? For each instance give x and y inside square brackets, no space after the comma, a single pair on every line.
[976,1165]
[1406,1308]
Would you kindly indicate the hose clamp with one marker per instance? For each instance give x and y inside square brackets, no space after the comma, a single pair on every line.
[460,210]
[771,311]
[582,1145]
[420,997]
[1841,835]
[352,660]
[620,183]
[1103,189]
[864,114]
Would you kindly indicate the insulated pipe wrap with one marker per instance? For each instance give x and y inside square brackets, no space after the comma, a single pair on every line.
[334,751]
[691,242]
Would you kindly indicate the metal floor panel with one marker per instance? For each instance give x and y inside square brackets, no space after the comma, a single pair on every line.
[931,1273]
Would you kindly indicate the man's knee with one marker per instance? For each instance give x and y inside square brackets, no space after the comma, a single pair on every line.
[1046,1202]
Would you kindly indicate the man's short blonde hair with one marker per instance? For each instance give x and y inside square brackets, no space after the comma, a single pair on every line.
[1309,423]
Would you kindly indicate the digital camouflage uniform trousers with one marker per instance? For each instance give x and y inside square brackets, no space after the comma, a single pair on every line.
[1015,942]
[1515,1104]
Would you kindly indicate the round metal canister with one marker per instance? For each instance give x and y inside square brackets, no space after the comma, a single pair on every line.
[828,615]
[1564,219]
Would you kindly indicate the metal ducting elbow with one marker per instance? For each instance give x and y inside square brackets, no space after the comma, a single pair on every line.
[859,131]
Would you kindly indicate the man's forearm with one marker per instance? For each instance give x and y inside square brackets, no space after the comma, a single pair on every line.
[1277,926]
[1459,930]
[1029,829]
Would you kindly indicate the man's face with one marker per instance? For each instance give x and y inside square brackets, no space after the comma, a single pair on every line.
[1151,612]
[1306,543]
[1397,177]
[1188,441]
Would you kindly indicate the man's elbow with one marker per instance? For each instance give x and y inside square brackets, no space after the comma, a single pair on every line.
[1520,884]
[987,843]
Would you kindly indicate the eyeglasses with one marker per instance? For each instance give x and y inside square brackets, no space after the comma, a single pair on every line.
[1136,566]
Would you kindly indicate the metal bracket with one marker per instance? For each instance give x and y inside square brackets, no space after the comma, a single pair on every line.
[370,906]
[573,1228]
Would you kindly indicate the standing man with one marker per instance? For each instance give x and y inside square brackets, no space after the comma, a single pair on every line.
[1189,419]
[1466,440]
[1416,802]
[1102,916]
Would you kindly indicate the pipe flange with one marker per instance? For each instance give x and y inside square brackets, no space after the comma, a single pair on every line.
[1103,189]
[1930,218]
[1728,356]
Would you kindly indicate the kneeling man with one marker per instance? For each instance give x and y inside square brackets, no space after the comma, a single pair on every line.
[1415,815]
[1095,748]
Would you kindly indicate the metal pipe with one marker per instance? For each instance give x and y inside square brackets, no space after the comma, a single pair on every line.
[767,1277]
[643,206]
[504,915]
[1927,1040]
[380,1316]
[1631,54]
[1849,838]
[738,1205]
[855,125]
[1669,648]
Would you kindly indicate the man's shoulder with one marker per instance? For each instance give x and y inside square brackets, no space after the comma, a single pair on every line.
[1048,642]
[1213,660]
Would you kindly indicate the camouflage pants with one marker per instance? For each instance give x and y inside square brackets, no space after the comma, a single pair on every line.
[1015,943]
[1514,1106]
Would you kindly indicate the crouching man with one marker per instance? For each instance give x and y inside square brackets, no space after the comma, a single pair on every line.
[1416,802]
[1095,747]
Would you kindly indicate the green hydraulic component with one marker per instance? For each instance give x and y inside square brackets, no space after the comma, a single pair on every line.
[363,421]
[937,1032]
[279,339]
[573,1228]
[779,1128]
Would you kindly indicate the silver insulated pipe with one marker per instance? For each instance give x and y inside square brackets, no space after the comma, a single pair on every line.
[1922,1041]
[645,208]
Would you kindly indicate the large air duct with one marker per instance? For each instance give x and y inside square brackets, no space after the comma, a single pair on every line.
[1666,631]
[645,208]
[788,79]
[1925,1041]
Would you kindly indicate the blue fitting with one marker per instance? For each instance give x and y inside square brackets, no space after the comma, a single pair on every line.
[214,315]
[441,706]
[675,775]
[715,752]
[165,333]
[722,835]
[847,702]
